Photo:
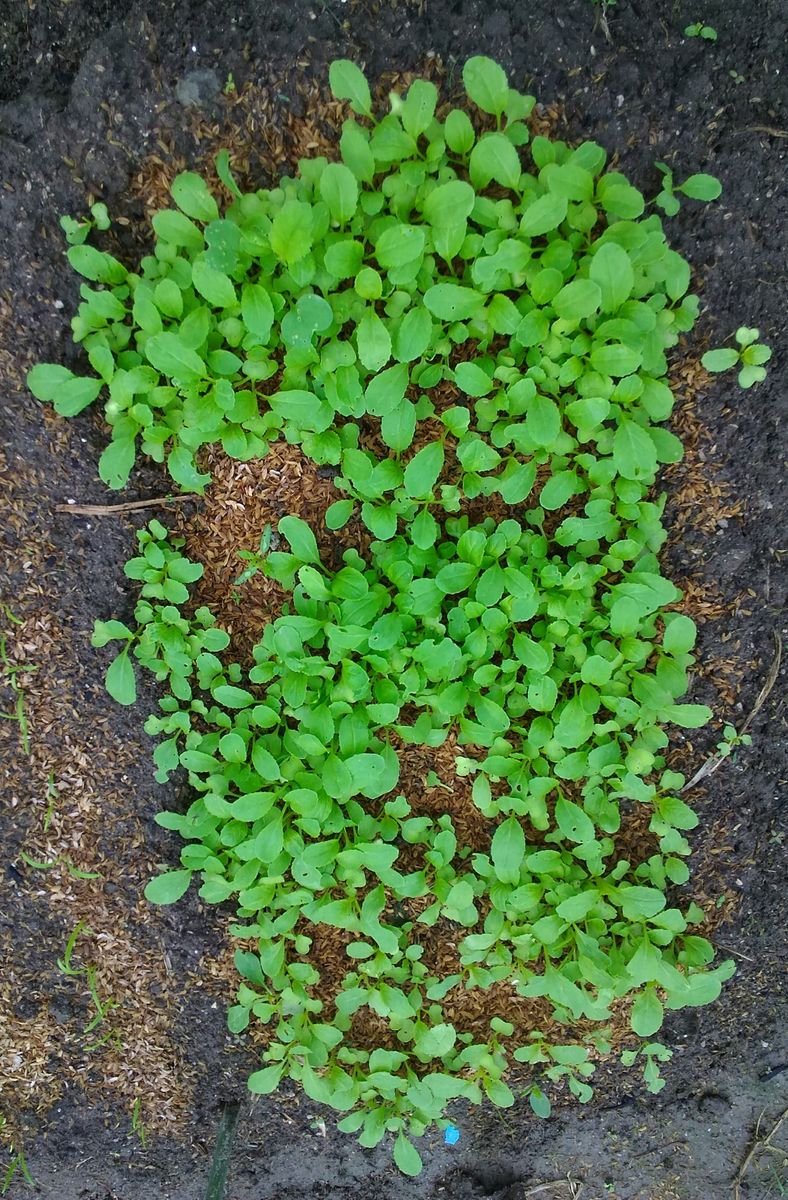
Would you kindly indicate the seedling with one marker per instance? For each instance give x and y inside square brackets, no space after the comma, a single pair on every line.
[18,1165]
[11,671]
[52,797]
[137,1122]
[102,1006]
[64,964]
[77,232]
[699,30]
[696,187]
[731,740]
[255,558]
[750,356]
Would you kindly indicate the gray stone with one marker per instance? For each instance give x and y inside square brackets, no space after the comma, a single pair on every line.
[198,87]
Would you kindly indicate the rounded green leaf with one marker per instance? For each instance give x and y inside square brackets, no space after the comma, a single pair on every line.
[339,189]
[458,131]
[577,300]
[373,341]
[701,187]
[406,1156]
[451,302]
[339,513]
[169,887]
[419,107]
[486,84]
[423,470]
[612,272]
[170,355]
[216,287]
[494,158]
[449,204]
[543,215]
[508,850]
[257,310]
[301,538]
[347,82]
[720,360]
[647,1014]
[262,1083]
[634,452]
[190,192]
[119,679]
[292,231]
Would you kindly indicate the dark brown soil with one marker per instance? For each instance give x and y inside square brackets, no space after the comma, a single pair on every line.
[93,105]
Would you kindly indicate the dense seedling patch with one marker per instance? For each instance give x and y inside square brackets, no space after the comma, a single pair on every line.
[463,321]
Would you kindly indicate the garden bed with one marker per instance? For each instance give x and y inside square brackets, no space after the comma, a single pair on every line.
[79,806]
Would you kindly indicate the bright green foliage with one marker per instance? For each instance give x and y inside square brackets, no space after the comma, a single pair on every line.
[696,187]
[750,356]
[698,29]
[525,279]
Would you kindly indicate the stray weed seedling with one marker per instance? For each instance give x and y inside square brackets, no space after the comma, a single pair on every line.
[36,864]
[750,356]
[736,76]
[64,964]
[74,872]
[102,1006]
[699,30]
[529,279]
[11,671]
[66,967]
[229,86]
[52,798]
[255,558]
[730,740]
[77,231]
[137,1123]
[17,1165]
[696,187]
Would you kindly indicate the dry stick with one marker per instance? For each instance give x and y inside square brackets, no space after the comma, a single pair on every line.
[765,129]
[108,510]
[660,1149]
[757,1145]
[730,950]
[543,1187]
[712,764]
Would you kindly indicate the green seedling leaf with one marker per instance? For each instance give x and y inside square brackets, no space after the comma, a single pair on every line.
[167,888]
[347,82]
[406,1156]
[508,850]
[486,84]
[119,679]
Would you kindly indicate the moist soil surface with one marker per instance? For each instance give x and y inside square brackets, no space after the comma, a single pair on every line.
[105,101]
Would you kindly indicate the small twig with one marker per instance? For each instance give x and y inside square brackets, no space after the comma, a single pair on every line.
[107,510]
[771,679]
[657,1149]
[730,950]
[764,129]
[575,1186]
[758,1144]
[713,763]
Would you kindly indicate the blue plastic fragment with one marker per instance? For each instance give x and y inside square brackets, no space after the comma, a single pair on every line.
[451,1135]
